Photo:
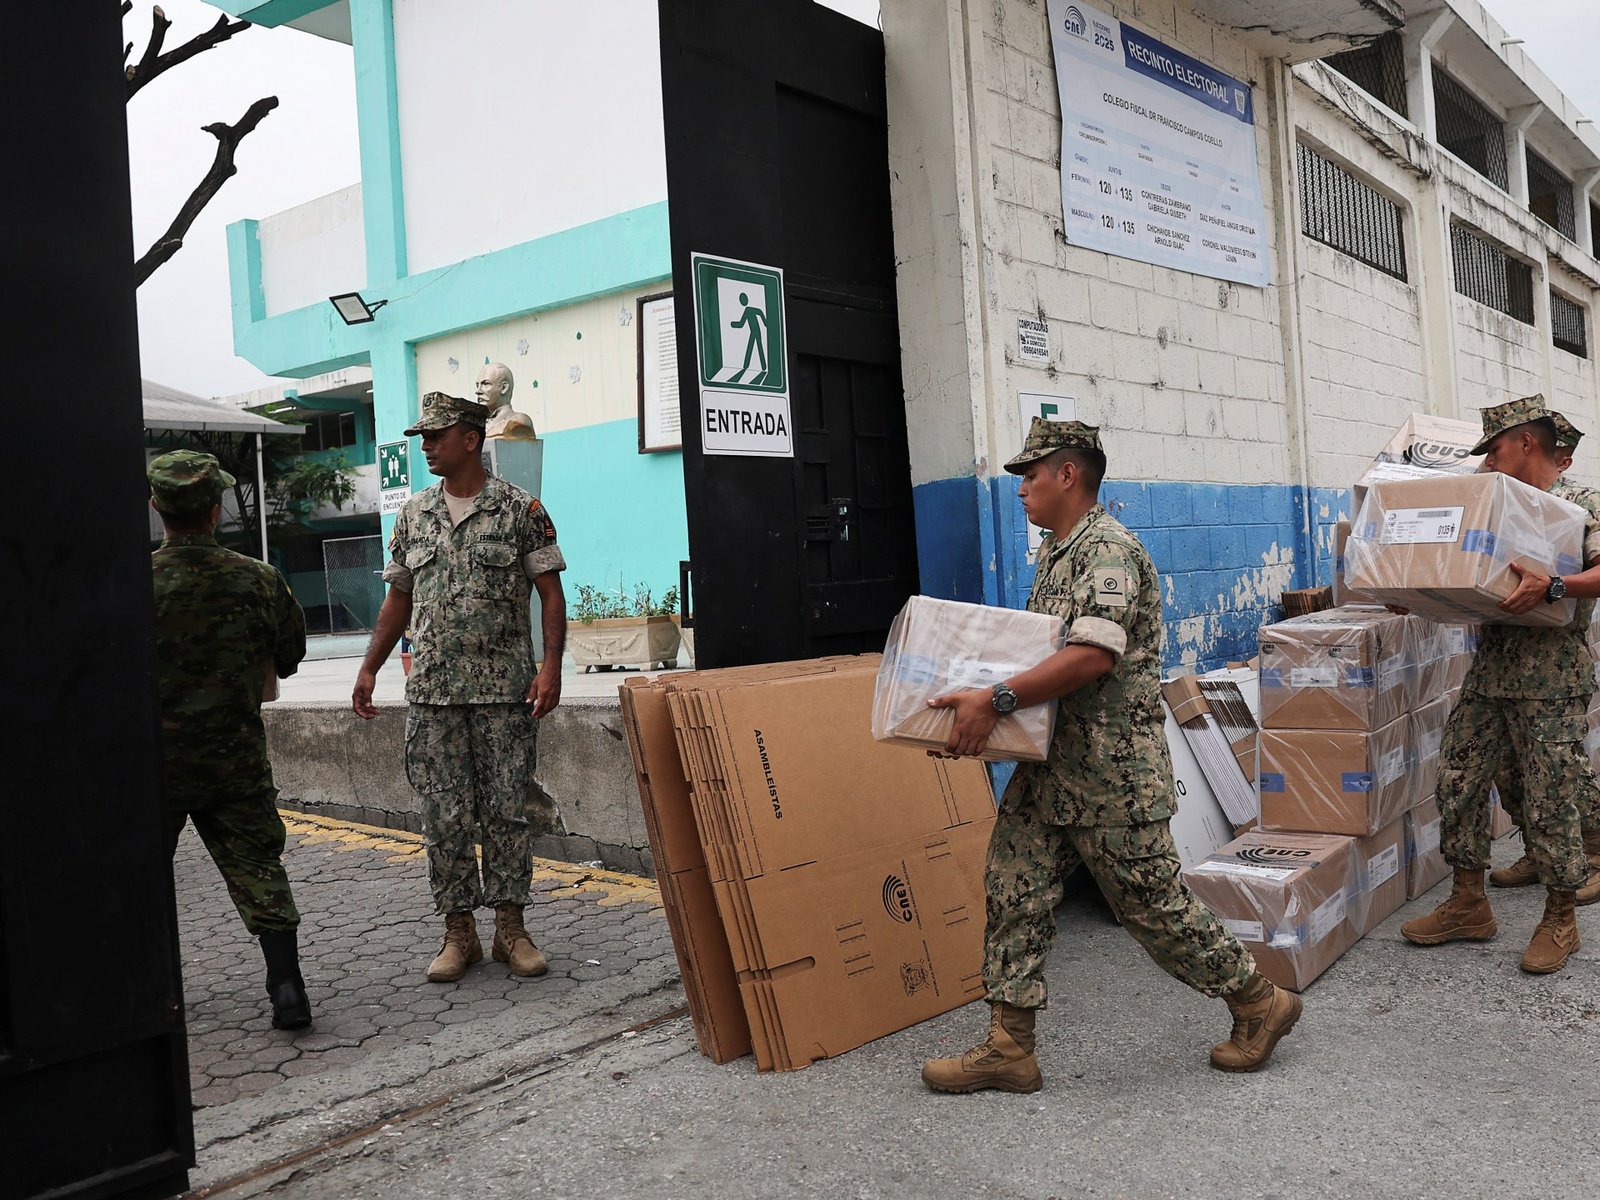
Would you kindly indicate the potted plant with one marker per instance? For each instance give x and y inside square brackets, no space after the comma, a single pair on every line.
[610,629]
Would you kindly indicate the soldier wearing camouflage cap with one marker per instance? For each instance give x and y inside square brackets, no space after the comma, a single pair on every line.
[225,624]
[1104,795]
[465,558]
[1522,717]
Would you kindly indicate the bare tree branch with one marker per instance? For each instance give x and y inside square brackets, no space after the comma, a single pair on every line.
[222,169]
[154,62]
[127,7]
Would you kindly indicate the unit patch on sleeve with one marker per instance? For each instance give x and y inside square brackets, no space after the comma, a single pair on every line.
[1111,588]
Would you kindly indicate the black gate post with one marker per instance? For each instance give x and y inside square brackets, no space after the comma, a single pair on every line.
[94,1088]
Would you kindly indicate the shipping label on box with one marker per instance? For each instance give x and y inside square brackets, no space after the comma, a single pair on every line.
[1425,864]
[1292,898]
[1381,876]
[1427,735]
[1343,668]
[1442,547]
[1336,781]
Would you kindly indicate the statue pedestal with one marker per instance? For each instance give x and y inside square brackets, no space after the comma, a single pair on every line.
[521,463]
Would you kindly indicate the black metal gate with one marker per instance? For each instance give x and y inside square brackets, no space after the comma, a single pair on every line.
[777,153]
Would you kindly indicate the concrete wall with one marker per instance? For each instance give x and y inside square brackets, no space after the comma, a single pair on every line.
[313,251]
[327,760]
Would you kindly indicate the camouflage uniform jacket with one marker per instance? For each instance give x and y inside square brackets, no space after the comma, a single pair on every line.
[471,635]
[221,619]
[1108,762]
[1540,663]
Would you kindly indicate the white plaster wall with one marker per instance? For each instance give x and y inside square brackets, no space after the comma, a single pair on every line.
[572,367]
[519,118]
[1498,358]
[1577,394]
[313,251]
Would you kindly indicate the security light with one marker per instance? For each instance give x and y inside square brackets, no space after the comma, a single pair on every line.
[352,309]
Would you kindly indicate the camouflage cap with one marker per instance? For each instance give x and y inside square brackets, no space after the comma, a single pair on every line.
[1509,415]
[1567,434]
[1046,437]
[440,411]
[187,481]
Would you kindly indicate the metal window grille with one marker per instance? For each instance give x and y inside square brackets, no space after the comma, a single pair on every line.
[1567,326]
[1339,210]
[1550,197]
[1469,130]
[1379,69]
[354,568]
[1486,273]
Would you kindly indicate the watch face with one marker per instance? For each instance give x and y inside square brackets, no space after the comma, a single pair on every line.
[1005,700]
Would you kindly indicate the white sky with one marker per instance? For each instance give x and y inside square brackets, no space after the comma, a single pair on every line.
[307,148]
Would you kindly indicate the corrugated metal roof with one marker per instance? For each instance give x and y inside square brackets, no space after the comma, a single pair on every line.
[168,408]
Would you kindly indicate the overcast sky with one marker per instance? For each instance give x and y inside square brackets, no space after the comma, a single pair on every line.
[307,148]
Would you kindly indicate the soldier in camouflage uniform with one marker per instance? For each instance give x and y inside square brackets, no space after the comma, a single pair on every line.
[224,625]
[1104,795]
[465,558]
[1522,711]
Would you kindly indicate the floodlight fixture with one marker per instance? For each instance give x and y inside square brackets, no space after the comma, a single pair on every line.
[352,309]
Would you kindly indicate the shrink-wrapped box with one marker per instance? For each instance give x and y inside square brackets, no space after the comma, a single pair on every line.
[941,646]
[1343,668]
[1293,899]
[1443,546]
[1380,876]
[1444,654]
[1343,593]
[1342,781]
[1424,446]
[1425,865]
[1427,733]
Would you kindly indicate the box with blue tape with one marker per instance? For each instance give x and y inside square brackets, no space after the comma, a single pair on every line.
[1342,668]
[1344,781]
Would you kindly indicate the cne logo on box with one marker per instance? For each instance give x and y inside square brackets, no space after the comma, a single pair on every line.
[897,900]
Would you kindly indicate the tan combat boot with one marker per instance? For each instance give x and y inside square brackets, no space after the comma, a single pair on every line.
[1556,937]
[1519,874]
[1464,917]
[1263,1014]
[512,944]
[1590,891]
[460,950]
[1003,1061]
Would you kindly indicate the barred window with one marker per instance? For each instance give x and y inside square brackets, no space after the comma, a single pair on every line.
[1486,273]
[1379,69]
[1339,210]
[1594,226]
[1469,130]
[1550,197]
[1567,329]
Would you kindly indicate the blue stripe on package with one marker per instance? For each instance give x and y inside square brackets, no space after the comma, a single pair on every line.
[1478,541]
[1356,781]
[1271,781]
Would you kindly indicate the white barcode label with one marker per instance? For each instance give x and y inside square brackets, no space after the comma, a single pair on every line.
[1455,639]
[1245,870]
[1327,916]
[1383,867]
[1412,526]
[1428,836]
[1245,931]
[1314,677]
[974,672]
[1391,673]
[1428,744]
[1392,766]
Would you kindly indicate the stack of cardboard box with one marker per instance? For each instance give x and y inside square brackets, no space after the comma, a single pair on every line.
[823,889]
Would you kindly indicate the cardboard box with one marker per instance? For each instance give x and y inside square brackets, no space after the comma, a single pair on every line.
[1425,865]
[1422,447]
[1380,876]
[941,646]
[1343,594]
[1500,822]
[1442,547]
[1287,897]
[1427,732]
[1200,825]
[1445,654]
[847,872]
[1345,668]
[1213,718]
[1336,781]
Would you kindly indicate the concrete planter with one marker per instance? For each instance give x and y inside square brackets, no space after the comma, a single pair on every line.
[623,642]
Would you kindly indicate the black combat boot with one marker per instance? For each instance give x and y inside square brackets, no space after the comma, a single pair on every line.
[291,1009]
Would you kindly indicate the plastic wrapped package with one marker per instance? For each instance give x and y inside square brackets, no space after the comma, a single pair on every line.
[1427,732]
[1336,780]
[1380,876]
[1425,865]
[941,646]
[1422,447]
[1291,898]
[1443,547]
[1343,668]
[1445,653]
[1343,593]
[1591,739]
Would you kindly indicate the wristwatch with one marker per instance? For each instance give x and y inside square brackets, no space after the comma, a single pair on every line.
[1556,591]
[1004,699]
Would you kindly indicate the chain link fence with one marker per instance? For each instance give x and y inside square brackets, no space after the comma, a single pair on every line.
[353,566]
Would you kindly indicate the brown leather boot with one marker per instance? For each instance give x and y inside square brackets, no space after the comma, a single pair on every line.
[1556,937]
[1519,874]
[1263,1014]
[512,944]
[1590,891]
[1464,917]
[1004,1061]
[460,950]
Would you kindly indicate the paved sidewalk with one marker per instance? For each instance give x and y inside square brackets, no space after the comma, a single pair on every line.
[367,934]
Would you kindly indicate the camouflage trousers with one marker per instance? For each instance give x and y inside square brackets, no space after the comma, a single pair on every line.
[1137,869]
[1537,745]
[244,835]
[472,767]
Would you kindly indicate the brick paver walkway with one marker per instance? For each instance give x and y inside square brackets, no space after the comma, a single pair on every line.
[367,934]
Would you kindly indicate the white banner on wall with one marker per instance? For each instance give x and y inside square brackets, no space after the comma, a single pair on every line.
[1158,151]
